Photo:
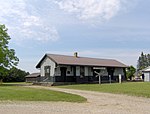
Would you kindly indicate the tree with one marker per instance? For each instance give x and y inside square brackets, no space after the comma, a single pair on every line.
[143,61]
[130,72]
[148,59]
[8,58]
[15,75]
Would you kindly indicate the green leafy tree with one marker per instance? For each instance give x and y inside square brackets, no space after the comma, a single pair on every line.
[130,72]
[15,75]
[8,58]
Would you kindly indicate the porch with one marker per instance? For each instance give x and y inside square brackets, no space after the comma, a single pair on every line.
[83,74]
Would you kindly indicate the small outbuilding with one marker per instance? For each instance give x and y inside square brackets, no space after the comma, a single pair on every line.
[34,77]
[146,73]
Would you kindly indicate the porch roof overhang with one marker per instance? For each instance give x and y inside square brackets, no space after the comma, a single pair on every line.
[93,65]
[33,75]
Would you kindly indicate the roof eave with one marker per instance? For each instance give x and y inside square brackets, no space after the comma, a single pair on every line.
[124,66]
[46,55]
[39,63]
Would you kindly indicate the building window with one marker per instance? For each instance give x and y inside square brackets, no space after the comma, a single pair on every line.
[82,71]
[47,70]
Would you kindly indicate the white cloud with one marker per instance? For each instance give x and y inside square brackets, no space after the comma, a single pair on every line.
[22,24]
[91,9]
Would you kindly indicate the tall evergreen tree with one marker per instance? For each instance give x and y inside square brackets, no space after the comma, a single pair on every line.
[148,59]
[143,61]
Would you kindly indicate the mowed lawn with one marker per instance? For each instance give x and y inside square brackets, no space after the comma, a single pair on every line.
[20,93]
[141,89]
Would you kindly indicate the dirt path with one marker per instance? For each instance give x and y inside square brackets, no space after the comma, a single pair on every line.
[98,103]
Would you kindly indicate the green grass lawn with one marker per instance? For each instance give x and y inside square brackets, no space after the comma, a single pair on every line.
[19,93]
[136,89]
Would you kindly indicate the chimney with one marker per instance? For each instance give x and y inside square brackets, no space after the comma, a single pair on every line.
[75,54]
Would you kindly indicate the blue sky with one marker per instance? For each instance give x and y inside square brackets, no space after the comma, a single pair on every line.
[112,29]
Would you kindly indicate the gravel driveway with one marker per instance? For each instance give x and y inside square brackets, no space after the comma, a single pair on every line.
[98,103]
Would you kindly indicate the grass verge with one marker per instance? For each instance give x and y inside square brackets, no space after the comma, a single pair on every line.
[141,89]
[19,93]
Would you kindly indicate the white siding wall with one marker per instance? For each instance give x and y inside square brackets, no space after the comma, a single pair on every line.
[77,70]
[48,62]
[86,71]
[69,69]
[90,73]
[147,77]
[118,71]
[58,73]
[104,72]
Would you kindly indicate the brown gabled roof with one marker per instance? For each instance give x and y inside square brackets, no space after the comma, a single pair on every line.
[72,60]
[33,75]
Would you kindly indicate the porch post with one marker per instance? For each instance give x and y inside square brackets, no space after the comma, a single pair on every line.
[99,79]
[110,79]
[120,78]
